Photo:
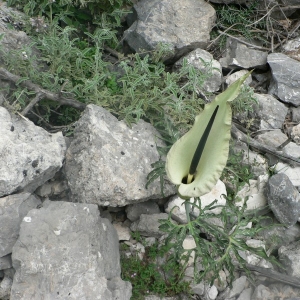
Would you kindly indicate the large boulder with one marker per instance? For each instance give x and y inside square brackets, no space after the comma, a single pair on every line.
[29,154]
[107,163]
[13,209]
[182,24]
[66,251]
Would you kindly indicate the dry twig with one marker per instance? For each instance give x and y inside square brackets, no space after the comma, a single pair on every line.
[40,92]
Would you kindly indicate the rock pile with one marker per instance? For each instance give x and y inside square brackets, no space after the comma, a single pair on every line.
[65,209]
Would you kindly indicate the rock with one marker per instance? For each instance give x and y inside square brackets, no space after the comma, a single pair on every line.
[65,250]
[272,138]
[295,112]
[285,84]
[283,291]
[183,25]
[291,149]
[122,231]
[292,173]
[29,154]
[238,286]
[295,134]
[283,199]
[5,262]
[199,288]
[246,294]
[134,211]
[213,292]
[5,288]
[289,257]
[261,292]
[239,55]
[254,194]
[257,163]
[268,113]
[277,236]
[13,209]
[179,213]
[148,225]
[292,48]
[206,64]
[221,282]
[107,163]
[189,244]
[236,75]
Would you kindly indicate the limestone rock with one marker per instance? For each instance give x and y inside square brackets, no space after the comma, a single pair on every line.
[148,225]
[183,25]
[134,211]
[289,257]
[283,199]
[254,194]
[237,75]
[293,173]
[205,63]
[66,251]
[239,55]
[29,154]
[5,262]
[285,84]
[13,209]
[179,212]
[295,134]
[5,288]
[107,163]
[268,113]
[272,138]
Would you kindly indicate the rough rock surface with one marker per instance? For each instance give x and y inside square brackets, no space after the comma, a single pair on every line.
[286,78]
[29,154]
[66,251]
[148,225]
[289,257]
[107,163]
[183,25]
[268,113]
[283,199]
[134,211]
[13,209]
[204,62]
[239,55]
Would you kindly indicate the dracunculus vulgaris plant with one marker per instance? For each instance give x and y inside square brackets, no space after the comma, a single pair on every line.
[196,161]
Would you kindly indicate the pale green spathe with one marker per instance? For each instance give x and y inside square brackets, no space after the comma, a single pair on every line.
[215,153]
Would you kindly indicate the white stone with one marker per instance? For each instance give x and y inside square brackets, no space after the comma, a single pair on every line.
[213,293]
[123,232]
[246,294]
[179,213]
[236,75]
[255,194]
[238,286]
[295,134]
[292,173]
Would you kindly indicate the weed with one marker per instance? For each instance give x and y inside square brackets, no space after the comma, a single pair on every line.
[155,274]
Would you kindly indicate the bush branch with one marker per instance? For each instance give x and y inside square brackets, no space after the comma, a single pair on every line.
[40,92]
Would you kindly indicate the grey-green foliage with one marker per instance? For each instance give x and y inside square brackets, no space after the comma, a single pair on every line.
[131,89]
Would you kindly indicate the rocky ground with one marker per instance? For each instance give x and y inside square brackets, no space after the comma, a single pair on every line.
[68,204]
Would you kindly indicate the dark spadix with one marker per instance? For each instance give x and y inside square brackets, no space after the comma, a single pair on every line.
[200,147]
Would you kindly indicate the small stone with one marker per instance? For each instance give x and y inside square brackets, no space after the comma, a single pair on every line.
[134,211]
[122,231]
[148,225]
[261,292]
[236,75]
[283,199]
[213,292]
[295,134]
[272,138]
[238,286]
[199,288]
[289,257]
[246,294]
[5,262]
